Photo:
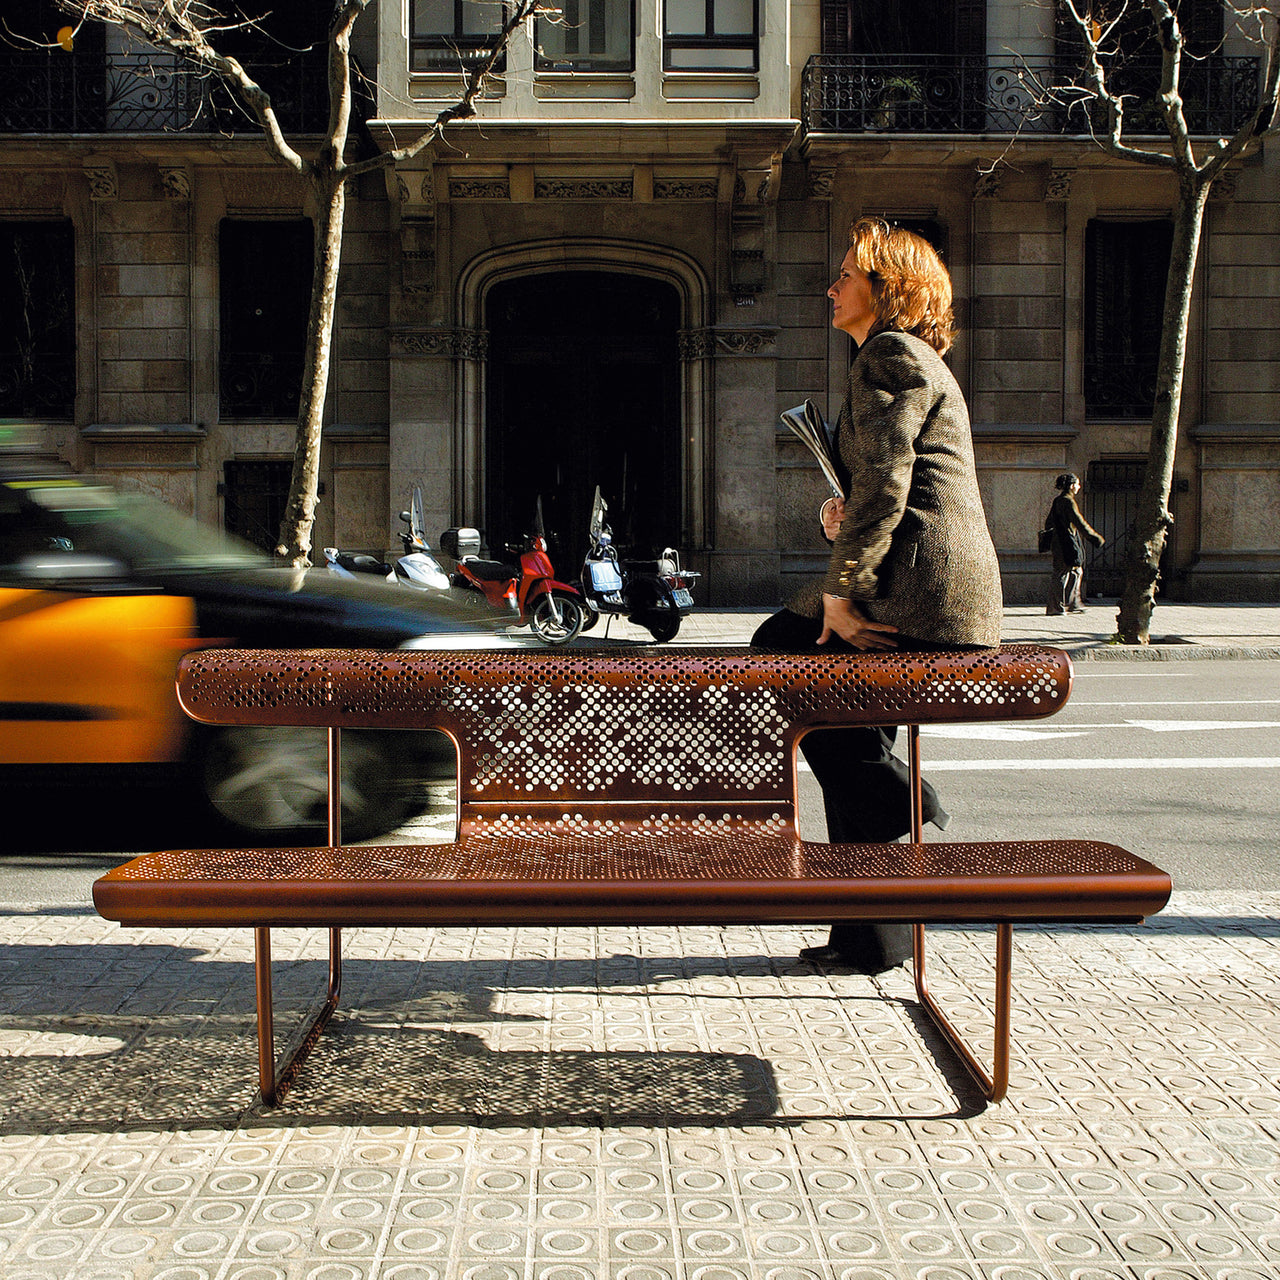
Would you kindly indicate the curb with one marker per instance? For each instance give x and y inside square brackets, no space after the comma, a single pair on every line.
[1182,651]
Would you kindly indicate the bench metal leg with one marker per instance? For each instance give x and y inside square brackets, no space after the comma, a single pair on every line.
[275,1083]
[995,1085]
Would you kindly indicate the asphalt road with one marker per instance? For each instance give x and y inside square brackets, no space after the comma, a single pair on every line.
[1177,761]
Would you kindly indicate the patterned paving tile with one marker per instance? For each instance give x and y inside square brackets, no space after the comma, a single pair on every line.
[641,1104]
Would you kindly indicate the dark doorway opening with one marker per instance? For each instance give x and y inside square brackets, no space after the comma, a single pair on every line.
[584,383]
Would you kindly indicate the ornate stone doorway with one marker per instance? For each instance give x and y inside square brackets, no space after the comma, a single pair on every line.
[583,388]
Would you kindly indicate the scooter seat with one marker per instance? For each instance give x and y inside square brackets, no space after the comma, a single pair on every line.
[490,570]
[358,563]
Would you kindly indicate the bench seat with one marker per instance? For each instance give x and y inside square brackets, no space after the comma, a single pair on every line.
[648,877]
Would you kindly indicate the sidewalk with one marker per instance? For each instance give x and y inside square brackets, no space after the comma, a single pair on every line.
[641,1104]
[1179,631]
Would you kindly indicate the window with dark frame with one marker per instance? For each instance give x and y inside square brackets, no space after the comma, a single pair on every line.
[711,35]
[37,320]
[264,280]
[588,35]
[1126,270]
[447,34]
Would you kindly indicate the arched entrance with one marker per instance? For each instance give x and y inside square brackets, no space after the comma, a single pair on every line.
[583,389]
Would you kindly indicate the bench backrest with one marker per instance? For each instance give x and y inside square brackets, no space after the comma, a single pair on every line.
[590,741]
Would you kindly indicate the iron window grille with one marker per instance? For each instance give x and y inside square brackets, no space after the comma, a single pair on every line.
[265,294]
[255,494]
[1126,270]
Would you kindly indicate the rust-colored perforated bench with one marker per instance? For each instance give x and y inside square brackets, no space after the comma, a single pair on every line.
[638,786]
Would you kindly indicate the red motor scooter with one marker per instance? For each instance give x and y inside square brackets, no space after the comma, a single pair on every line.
[524,586]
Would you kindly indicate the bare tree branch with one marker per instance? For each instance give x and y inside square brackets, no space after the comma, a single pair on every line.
[473,85]
[185,28]
[190,29]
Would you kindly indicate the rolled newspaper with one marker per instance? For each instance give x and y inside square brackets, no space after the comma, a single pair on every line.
[808,424]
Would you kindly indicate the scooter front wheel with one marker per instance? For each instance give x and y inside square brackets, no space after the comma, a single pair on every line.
[557,617]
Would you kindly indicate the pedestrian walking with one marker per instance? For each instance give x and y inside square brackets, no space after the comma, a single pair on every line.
[912,564]
[1064,529]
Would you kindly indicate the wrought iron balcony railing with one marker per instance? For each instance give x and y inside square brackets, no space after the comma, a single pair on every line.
[855,93]
[53,92]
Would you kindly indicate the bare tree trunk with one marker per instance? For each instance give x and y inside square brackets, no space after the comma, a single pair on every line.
[1153,519]
[300,509]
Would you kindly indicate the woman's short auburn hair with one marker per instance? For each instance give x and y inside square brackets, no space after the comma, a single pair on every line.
[910,288]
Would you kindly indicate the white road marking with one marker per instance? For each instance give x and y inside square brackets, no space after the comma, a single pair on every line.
[1129,762]
[1210,702]
[1005,733]
[998,732]
[1202,726]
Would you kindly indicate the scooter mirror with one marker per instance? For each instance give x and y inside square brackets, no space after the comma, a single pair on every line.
[404,515]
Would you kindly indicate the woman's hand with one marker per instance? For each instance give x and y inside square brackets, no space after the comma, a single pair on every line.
[841,617]
[832,517]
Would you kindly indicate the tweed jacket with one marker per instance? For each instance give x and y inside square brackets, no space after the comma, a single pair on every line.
[913,550]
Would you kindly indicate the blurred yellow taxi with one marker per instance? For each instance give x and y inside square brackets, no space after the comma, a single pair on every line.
[102,592]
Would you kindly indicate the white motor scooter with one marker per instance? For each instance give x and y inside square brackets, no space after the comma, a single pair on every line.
[417,568]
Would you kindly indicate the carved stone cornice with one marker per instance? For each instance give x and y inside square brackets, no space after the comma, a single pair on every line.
[986,183]
[1058,185]
[446,344]
[582,189]
[175,181]
[479,189]
[685,188]
[1224,187]
[745,342]
[821,182]
[699,344]
[103,183]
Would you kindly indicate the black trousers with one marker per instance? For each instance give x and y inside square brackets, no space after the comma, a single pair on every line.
[866,789]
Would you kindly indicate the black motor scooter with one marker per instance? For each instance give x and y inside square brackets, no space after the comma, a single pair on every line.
[653,594]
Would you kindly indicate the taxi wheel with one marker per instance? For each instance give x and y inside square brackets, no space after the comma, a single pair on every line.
[265,782]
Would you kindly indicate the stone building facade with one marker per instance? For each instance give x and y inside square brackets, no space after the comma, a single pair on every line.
[615,274]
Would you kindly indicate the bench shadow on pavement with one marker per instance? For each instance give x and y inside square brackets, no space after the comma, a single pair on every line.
[150,1036]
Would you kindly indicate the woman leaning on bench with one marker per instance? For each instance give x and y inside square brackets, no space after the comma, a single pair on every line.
[912,563]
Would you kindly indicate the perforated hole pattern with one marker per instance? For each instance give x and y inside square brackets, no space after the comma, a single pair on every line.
[547,877]
[584,728]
